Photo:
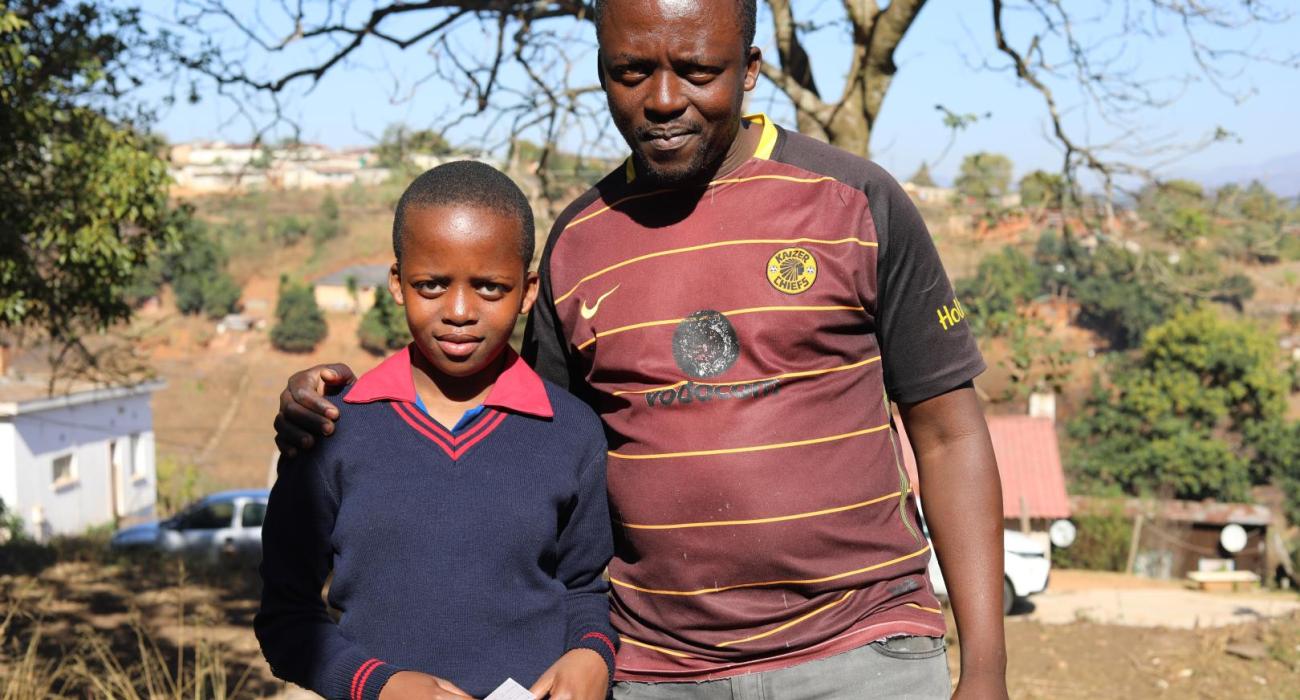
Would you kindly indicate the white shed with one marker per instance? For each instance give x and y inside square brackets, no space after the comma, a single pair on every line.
[77,459]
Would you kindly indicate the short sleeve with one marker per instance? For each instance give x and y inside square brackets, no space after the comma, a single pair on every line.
[926,344]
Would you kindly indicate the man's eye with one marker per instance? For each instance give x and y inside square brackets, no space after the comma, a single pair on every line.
[629,75]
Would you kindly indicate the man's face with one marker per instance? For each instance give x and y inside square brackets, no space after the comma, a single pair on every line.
[463,285]
[675,74]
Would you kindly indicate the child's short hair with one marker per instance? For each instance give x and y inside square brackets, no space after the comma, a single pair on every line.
[473,183]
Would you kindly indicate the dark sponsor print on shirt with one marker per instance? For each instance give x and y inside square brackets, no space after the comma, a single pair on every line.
[691,392]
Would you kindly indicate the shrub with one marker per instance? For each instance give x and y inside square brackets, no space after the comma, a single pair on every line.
[300,325]
[1102,543]
[384,329]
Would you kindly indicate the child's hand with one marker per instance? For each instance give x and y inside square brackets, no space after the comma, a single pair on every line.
[578,675]
[411,685]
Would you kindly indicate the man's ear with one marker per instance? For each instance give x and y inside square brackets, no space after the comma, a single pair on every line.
[753,64]
[395,284]
[531,287]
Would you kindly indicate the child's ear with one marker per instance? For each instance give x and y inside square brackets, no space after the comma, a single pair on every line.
[395,284]
[531,286]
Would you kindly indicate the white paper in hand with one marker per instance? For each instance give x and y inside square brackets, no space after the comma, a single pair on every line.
[510,690]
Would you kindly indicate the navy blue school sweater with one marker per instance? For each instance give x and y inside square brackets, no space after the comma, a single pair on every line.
[475,556]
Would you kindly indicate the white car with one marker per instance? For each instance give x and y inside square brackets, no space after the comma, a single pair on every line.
[1026,563]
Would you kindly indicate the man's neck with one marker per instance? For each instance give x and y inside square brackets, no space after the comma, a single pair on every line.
[742,147]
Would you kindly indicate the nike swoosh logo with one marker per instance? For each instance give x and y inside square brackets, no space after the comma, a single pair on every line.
[590,311]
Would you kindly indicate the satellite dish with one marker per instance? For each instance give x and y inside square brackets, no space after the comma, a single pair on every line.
[1062,533]
[1232,538]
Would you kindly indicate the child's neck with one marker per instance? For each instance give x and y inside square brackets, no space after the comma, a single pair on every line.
[447,398]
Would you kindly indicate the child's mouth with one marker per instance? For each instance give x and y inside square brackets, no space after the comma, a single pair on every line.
[456,346]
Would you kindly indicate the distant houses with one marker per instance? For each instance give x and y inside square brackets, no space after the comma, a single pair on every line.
[80,458]
[215,166]
[351,289]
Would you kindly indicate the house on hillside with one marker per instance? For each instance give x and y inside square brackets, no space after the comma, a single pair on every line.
[1029,461]
[351,289]
[79,458]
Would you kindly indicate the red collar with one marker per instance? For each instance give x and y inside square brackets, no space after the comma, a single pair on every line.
[518,388]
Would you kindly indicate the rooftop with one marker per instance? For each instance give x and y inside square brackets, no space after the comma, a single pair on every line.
[31,393]
[1029,461]
[365,276]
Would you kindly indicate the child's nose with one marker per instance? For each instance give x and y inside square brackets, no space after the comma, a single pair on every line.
[461,309]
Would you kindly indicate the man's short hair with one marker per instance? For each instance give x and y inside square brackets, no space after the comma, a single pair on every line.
[472,183]
[747,9]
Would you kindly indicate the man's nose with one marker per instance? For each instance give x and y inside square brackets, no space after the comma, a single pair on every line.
[665,100]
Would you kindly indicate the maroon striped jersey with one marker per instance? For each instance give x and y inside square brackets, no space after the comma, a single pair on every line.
[742,342]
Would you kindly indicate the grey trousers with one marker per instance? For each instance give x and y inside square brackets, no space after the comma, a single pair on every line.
[902,667]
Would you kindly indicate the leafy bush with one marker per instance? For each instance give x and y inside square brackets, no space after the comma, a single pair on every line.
[384,329]
[1102,543]
[300,325]
[1003,282]
[197,271]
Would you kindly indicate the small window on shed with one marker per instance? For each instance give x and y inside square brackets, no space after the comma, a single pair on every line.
[63,470]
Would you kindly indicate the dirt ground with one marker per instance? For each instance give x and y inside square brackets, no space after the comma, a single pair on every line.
[1077,659]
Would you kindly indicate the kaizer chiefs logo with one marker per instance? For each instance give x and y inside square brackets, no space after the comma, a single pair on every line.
[792,270]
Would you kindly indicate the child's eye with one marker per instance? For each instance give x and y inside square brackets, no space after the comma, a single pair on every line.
[429,286]
[492,290]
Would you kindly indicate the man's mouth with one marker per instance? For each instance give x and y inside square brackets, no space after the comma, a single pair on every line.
[667,139]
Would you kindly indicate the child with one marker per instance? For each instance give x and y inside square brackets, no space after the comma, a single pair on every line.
[463,508]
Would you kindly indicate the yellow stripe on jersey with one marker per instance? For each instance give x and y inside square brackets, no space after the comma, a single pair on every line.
[792,623]
[762,584]
[623,638]
[760,521]
[922,607]
[726,181]
[767,142]
[754,448]
[787,375]
[716,244]
[733,312]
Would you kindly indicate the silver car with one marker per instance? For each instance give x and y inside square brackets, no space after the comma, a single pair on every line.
[222,527]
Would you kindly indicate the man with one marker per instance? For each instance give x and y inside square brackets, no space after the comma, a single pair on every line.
[741,304]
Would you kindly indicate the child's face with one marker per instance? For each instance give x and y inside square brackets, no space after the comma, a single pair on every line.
[462,285]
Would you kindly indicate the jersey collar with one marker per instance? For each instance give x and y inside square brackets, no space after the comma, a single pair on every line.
[766,143]
[518,389]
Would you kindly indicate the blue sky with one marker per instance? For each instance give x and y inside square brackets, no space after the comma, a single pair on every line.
[939,63]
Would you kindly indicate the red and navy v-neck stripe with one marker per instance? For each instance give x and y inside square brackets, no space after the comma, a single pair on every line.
[453,444]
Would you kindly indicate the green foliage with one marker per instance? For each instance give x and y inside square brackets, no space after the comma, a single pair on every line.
[1177,209]
[1182,417]
[399,142]
[384,329]
[328,224]
[83,196]
[1036,360]
[984,177]
[288,229]
[1003,282]
[1102,543]
[198,273]
[300,325]
[1041,188]
[1121,296]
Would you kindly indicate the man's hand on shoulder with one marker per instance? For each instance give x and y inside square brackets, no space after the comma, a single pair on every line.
[304,413]
[580,674]
[411,685]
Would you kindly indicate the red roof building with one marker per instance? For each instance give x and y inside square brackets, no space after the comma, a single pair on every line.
[1029,461]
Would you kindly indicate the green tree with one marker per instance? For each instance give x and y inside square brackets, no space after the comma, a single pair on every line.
[83,195]
[328,221]
[984,177]
[1177,209]
[1041,188]
[1188,415]
[1003,282]
[300,325]
[198,274]
[383,328]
